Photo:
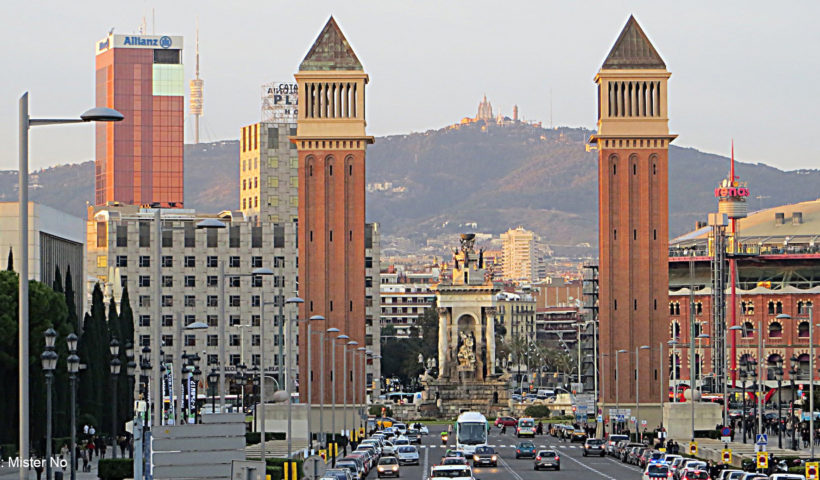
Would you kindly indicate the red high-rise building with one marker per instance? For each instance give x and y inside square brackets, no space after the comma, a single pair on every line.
[633,141]
[139,160]
[331,142]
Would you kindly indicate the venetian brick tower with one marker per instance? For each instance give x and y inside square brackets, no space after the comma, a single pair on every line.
[331,142]
[633,142]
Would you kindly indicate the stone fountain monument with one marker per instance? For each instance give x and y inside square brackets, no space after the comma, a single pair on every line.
[467,380]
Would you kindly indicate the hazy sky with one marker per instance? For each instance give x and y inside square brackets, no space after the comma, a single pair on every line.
[740,69]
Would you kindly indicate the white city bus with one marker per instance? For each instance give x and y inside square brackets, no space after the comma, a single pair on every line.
[471,431]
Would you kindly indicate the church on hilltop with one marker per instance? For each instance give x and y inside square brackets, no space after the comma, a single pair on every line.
[485,116]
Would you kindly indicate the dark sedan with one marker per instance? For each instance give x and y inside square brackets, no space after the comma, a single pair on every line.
[485,456]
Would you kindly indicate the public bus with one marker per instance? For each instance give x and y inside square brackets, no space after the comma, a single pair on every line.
[471,431]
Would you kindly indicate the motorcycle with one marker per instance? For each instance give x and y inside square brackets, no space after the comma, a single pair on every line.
[444,439]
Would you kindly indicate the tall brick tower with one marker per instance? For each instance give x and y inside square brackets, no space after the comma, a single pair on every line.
[633,203]
[331,142]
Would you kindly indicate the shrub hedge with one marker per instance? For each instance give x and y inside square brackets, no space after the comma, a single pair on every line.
[115,468]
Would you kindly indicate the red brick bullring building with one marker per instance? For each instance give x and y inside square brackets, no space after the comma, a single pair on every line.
[778,273]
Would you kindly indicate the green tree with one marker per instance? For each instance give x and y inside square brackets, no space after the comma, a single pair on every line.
[126,393]
[70,303]
[46,309]
[57,286]
[93,351]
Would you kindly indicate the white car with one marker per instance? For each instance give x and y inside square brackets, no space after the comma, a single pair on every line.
[402,440]
[376,444]
[424,430]
[786,476]
[730,474]
[451,472]
[388,448]
[407,455]
[400,428]
[656,471]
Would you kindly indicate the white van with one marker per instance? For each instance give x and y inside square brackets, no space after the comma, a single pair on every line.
[526,427]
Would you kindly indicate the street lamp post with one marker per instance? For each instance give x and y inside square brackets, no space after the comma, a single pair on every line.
[289,367]
[333,382]
[778,375]
[617,384]
[362,389]
[638,431]
[213,378]
[73,366]
[99,114]
[793,372]
[352,344]
[114,348]
[49,360]
[309,381]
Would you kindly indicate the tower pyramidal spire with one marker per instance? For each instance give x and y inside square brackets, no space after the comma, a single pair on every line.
[633,50]
[331,51]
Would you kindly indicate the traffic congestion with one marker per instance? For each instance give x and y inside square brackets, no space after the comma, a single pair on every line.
[473,448]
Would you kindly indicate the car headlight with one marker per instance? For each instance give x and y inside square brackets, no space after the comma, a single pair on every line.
[494,458]
[381,469]
[395,467]
[475,458]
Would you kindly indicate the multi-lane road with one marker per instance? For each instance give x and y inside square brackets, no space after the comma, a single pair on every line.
[574,466]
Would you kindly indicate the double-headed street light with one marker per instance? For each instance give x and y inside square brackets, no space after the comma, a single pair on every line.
[49,359]
[309,379]
[99,114]
[114,366]
[352,344]
[289,368]
[73,367]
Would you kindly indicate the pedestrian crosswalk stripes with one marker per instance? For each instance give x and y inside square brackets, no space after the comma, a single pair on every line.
[504,446]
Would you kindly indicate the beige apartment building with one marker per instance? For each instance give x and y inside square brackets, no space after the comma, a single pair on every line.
[518,254]
[516,313]
[268,176]
[121,252]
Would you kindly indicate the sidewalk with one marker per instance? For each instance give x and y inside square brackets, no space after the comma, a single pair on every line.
[711,449]
[7,473]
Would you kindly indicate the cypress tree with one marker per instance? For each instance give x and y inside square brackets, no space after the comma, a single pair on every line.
[57,286]
[93,346]
[69,301]
[10,264]
[126,408]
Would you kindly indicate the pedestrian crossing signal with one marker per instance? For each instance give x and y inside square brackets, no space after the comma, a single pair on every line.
[762,460]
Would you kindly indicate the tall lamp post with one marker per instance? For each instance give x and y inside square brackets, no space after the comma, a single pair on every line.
[617,384]
[73,367]
[49,360]
[331,332]
[810,308]
[309,380]
[638,431]
[352,344]
[289,367]
[344,338]
[362,390]
[794,371]
[778,375]
[99,114]
[114,348]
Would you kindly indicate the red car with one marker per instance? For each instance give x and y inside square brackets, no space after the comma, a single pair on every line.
[695,475]
[506,421]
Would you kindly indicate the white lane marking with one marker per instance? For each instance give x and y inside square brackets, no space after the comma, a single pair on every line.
[426,463]
[590,468]
[509,469]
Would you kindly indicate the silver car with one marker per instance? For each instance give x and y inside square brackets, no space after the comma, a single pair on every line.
[547,459]
[407,455]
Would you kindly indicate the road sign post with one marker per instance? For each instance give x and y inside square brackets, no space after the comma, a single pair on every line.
[726,456]
[693,448]
[762,461]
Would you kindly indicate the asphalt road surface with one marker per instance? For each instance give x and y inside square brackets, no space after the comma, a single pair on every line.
[574,466]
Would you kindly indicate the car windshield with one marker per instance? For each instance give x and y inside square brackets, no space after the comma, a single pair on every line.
[349,466]
[453,453]
[526,423]
[701,475]
[595,441]
[407,449]
[401,441]
[548,453]
[526,445]
[658,469]
[451,473]
[388,461]
[484,450]
[472,433]
[453,461]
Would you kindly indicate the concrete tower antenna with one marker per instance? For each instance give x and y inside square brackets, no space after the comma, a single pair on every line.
[197,90]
